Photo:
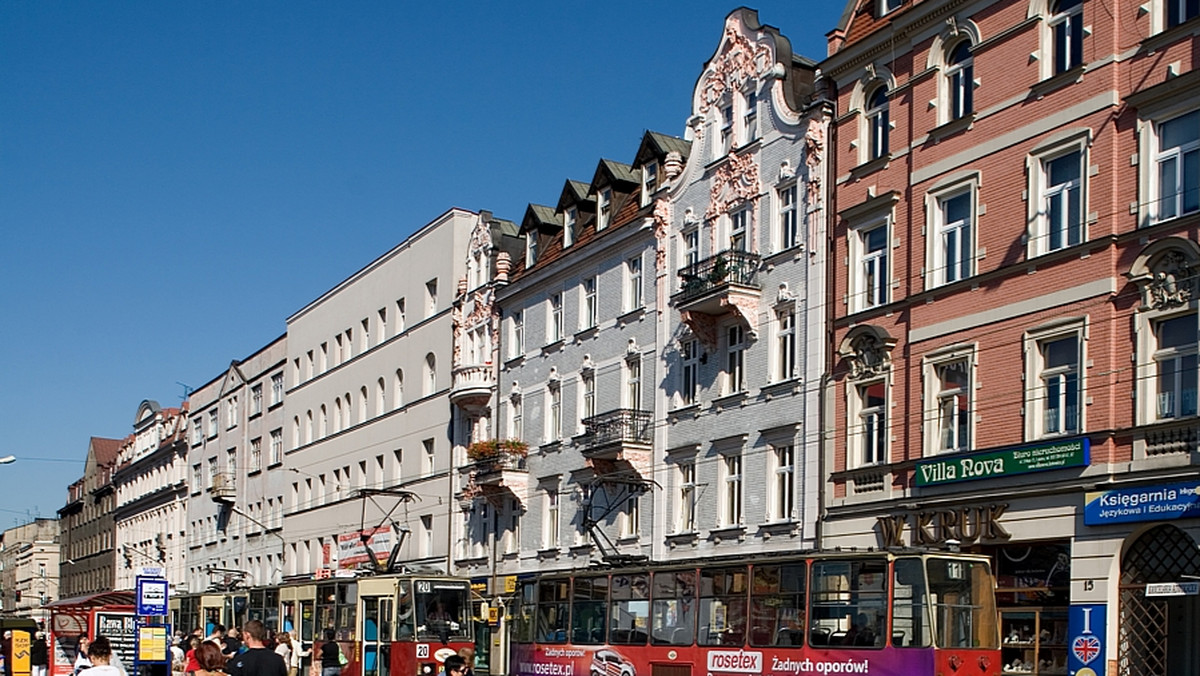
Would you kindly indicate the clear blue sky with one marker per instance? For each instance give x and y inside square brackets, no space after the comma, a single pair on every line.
[176,178]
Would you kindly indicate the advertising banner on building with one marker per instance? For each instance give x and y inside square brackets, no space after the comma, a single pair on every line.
[352,553]
[1148,503]
[121,630]
[1007,462]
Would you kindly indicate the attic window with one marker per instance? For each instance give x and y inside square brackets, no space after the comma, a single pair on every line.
[889,6]
[531,248]
[570,220]
[649,181]
[604,209]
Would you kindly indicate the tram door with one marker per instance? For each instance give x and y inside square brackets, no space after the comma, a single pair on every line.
[377,634]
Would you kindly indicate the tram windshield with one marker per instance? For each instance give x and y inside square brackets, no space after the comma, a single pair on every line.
[442,609]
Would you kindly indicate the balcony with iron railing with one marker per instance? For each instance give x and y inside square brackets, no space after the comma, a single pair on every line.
[611,434]
[705,285]
[472,384]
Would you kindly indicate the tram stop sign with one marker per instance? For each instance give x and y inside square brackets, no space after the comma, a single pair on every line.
[151,596]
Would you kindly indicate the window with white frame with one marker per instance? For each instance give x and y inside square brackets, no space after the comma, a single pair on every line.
[430,457]
[739,226]
[783,502]
[633,382]
[1181,11]
[1060,206]
[1177,166]
[731,498]
[960,81]
[550,520]
[381,325]
[587,395]
[512,535]
[750,115]
[213,424]
[554,319]
[587,511]
[1066,34]
[197,478]
[426,535]
[516,417]
[431,297]
[553,413]
[517,333]
[398,389]
[570,223]
[785,343]
[735,359]
[276,389]
[878,123]
[256,399]
[633,284]
[869,256]
[531,248]
[953,249]
[197,431]
[400,325]
[430,374]
[591,309]
[255,459]
[1054,358]
[649,181]
[951,418]
[604,208]
[725,133]
[888,6]
[691,247]
[685,509]
[276,451]
[867,430]
[231,411]
[689,379]
[630,517]
[787,219]
[1175,366]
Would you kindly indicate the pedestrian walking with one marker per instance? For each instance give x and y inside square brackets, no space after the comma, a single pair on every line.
[257,659]
[100,655]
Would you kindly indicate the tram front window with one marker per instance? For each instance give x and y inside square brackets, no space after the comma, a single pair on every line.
[962,595]
[441,609]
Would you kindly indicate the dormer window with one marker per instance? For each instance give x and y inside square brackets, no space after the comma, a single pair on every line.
[889,6]
[570,220]
[649,181]
[604,209]
[750,116]
[531,249]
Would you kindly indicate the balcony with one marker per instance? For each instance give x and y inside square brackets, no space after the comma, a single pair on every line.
[223,488]
[618,440]
[472,385]
[718,285]
[498,470]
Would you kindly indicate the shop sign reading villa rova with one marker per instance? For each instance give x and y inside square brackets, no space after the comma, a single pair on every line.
[967,525]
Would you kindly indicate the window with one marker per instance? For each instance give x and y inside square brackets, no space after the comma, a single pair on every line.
[213,424]
[735,359]
[587,406]
[550,526]
[878,123]
[517,324]
[516,418]
[731,508]
[739,225]
[381,326]
[689,356]
[430,374]
[590,314]
[324,358]
[952,418]
[231,460]
[633,382]
[750,116]
[430,456]
[869,278]
[255,454]
[888,6]
[785,344]
[426,535]
[398,389]
[531,248]
[726,131]
[197,478]
[400,325]
[256,400]
[1177,161]
[1179,11]
[649,181]
[604,208]
[197,431]
[1056,402]
[960,81]
[553,413]
[630,517]
[686,509]
[570,222]
[784,488]
[276,389]
[952,245]
[231,412]
[633,283]
[1066,27]
[555,320]
[787,219]
[364,336]
[1061,212]
[431,297]
[868,431]
[512,541]
[1175,365]
[276,456]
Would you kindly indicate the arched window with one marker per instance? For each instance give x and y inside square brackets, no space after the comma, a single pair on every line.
[296,432]
[960,75]
[323,423]
[878,123]
[347,415]
[398,389]
[362,404]
[308,428]
[337,414]
[380,397]
[430,374]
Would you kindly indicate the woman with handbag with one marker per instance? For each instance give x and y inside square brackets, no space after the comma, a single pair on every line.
[332,659]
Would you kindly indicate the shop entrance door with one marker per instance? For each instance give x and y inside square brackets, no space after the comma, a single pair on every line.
[1158,634]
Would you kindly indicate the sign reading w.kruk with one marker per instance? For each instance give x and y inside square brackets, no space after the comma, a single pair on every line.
[1055,455]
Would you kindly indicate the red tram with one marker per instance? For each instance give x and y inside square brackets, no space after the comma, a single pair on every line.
[873,613]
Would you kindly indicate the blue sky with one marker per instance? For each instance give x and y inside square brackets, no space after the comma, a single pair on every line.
[177,178]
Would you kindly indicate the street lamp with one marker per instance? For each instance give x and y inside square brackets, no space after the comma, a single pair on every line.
[8,460]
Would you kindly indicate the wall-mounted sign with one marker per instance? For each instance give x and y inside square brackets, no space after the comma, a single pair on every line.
[1173,589]
[351,552]
[151,596]
[1086,639]
[967,525]
[1056,455]
[1149,503]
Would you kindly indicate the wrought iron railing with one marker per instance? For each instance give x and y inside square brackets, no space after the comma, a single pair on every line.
[618,426]
[728,267]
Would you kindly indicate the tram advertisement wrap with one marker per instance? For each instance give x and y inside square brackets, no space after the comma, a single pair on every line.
[535,660]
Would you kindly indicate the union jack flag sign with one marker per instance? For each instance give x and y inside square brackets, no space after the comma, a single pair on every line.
[1086,648]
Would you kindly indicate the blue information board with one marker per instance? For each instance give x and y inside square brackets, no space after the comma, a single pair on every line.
[151,596]
[1086,643]
[1147,503]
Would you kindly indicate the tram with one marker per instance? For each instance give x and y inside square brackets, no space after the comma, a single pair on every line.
[886,613]
[386,625]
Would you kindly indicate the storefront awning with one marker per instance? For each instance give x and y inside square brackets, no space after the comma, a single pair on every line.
[109,598]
